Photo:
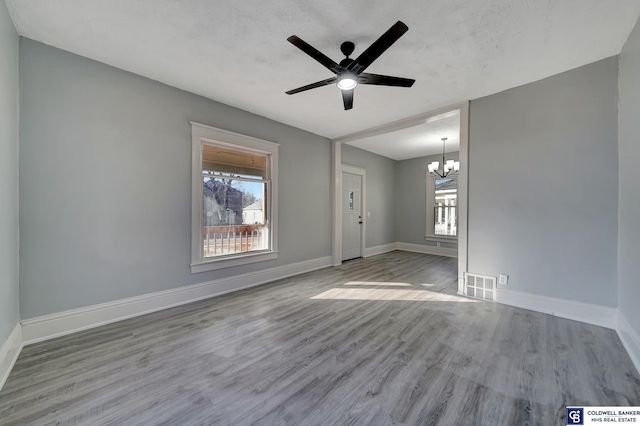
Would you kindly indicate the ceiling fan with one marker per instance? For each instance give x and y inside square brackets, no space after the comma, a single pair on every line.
[350,72]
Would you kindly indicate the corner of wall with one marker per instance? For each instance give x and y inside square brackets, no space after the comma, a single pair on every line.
[18,178]
[629,338]
[628,242]
[11,338]
[9,352]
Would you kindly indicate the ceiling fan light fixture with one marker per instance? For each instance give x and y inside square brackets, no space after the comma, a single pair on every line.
[347,81]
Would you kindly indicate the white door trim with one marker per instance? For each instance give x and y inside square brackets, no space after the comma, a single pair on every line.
[354,170]
[337,203]
[463,195]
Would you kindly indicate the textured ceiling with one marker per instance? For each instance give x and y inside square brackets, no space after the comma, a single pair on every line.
[236,51]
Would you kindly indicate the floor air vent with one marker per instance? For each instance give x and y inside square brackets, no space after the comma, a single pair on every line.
[480,286]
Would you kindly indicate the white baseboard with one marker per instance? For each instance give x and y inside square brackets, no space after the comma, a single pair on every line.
[419,248]
[384,248]
[602,316]
[630,339]
[67,322]
[9,352]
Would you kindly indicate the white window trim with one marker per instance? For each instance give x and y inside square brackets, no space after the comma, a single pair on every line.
[431,190]
[200,134]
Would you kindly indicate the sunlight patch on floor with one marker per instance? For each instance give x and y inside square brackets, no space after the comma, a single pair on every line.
[386,284]
[389,294]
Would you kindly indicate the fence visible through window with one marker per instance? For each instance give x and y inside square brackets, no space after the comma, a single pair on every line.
[445,220]
[221,240]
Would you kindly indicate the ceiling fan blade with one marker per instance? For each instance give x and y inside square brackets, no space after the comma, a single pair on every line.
[315,54]
[347,98]
[384,80]
[378,47]
[312,86]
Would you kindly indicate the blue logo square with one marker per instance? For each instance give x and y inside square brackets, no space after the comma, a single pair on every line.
[575,416]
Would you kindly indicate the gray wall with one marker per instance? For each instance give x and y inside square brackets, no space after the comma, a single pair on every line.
[629,153]
[381,196]
[105,183]
[543,185]
[411,180]
[8,174]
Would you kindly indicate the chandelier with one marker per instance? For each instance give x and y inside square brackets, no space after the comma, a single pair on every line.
[448,167]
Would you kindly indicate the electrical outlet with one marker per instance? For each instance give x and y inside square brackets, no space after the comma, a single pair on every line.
[504,279]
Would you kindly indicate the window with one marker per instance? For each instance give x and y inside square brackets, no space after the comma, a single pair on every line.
[234,199]
[442,203]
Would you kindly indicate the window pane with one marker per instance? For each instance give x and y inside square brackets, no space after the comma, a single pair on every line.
[445,211]
[234,201]
[234,216]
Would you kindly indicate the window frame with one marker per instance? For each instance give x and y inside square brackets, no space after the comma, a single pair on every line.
[430,233]
[202,134]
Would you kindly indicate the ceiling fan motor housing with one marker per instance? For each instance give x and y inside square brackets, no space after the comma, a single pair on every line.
[347,48]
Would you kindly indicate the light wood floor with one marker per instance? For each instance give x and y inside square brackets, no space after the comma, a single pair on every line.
[378,341]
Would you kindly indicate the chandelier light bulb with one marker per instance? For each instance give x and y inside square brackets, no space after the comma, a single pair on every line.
[448,166]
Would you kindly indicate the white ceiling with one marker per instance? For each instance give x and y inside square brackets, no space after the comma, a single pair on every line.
[418,140]
[236,52]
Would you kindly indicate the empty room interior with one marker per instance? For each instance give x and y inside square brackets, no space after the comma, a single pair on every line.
[340,213]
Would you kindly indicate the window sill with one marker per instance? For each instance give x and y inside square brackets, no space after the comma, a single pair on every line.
[441,238]
[228,262]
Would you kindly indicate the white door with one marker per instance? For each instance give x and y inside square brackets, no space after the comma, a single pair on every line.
[351,216]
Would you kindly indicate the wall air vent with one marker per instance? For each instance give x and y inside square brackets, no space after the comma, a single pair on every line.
[480,286]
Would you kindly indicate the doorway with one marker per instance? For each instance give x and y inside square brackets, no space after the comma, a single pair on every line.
[413,213]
